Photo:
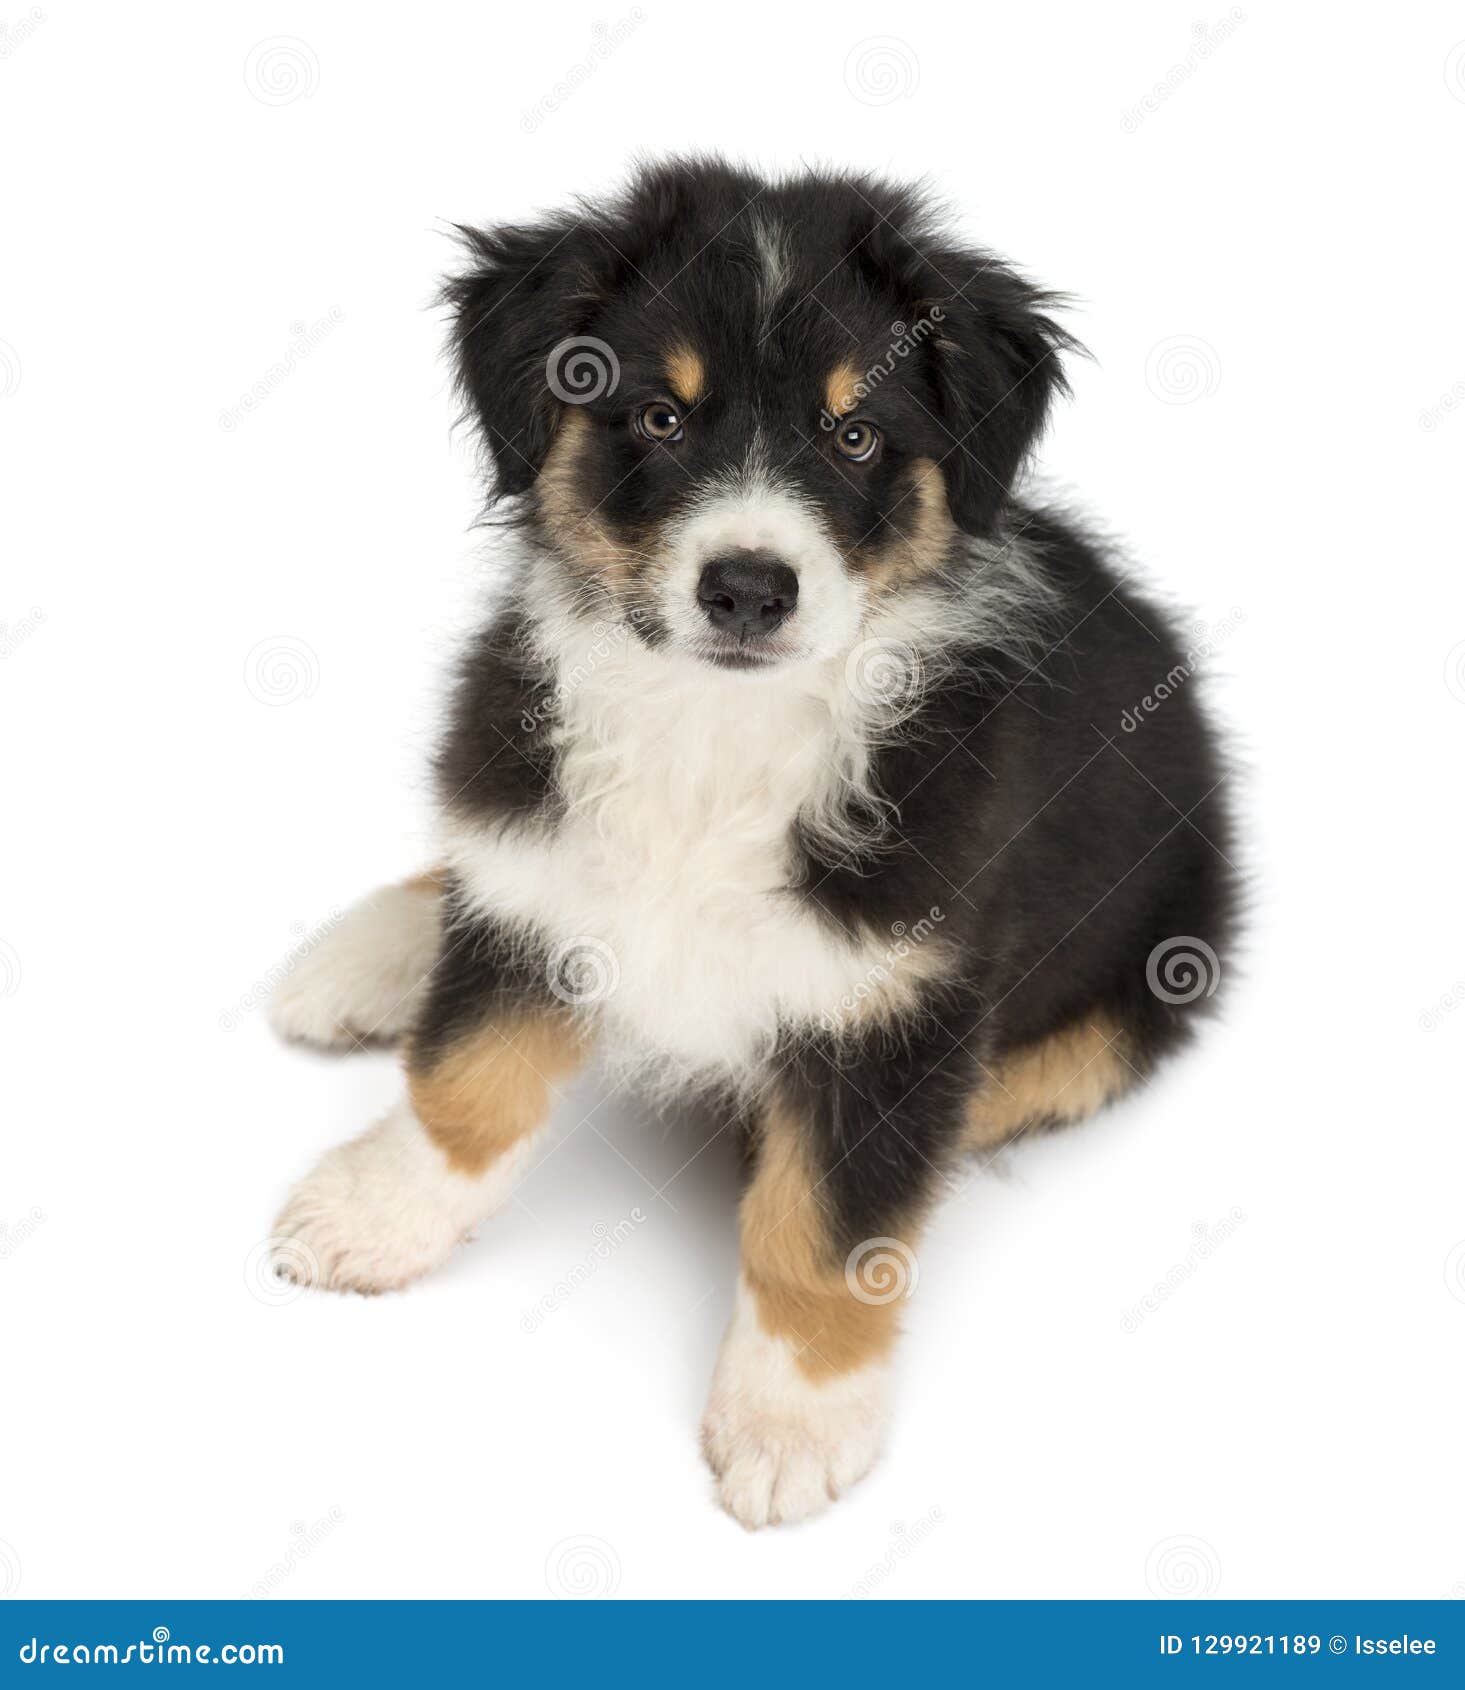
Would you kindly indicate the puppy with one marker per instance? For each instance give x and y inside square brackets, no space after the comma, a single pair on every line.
[788,772]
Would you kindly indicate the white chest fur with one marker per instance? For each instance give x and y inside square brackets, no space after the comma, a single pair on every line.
[663,890]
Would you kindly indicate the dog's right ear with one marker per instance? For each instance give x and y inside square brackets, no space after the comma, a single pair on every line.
[525,291]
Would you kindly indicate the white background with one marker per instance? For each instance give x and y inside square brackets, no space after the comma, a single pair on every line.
[223,653]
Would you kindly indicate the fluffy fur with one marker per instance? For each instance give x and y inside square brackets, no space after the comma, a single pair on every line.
[788,769]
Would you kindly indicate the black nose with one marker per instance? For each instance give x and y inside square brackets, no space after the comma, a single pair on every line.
[748,593]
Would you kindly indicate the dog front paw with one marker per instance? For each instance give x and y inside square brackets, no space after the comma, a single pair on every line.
[377,1213]
[362,979]
[782,1444]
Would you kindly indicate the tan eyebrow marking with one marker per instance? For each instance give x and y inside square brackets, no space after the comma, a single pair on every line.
[686,373]
[842,389]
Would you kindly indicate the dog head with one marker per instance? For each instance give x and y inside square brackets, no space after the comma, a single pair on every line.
[741,413]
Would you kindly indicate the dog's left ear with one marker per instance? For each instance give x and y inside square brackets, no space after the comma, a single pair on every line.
[996,360]
[993,355]
[525,291]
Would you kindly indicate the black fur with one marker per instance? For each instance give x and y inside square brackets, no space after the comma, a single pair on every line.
[1059,849]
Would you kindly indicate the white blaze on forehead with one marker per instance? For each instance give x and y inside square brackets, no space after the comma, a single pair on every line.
[770,246]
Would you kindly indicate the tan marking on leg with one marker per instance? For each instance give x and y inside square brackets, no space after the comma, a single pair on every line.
[687,374]
[795,1270]
[430,880]
[478,1098]
[920,532]
[1063,1078]
[842,389]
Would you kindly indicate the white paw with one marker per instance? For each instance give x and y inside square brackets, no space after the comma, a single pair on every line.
[384,1209]
[782,1445]
[362,979]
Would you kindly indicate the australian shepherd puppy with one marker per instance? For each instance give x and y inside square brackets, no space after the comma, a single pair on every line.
[788,772]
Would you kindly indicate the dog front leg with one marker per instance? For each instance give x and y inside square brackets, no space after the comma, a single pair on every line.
[845,1170]
[484,1066]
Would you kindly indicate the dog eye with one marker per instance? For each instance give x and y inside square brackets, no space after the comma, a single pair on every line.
[660,421]
[857,441]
